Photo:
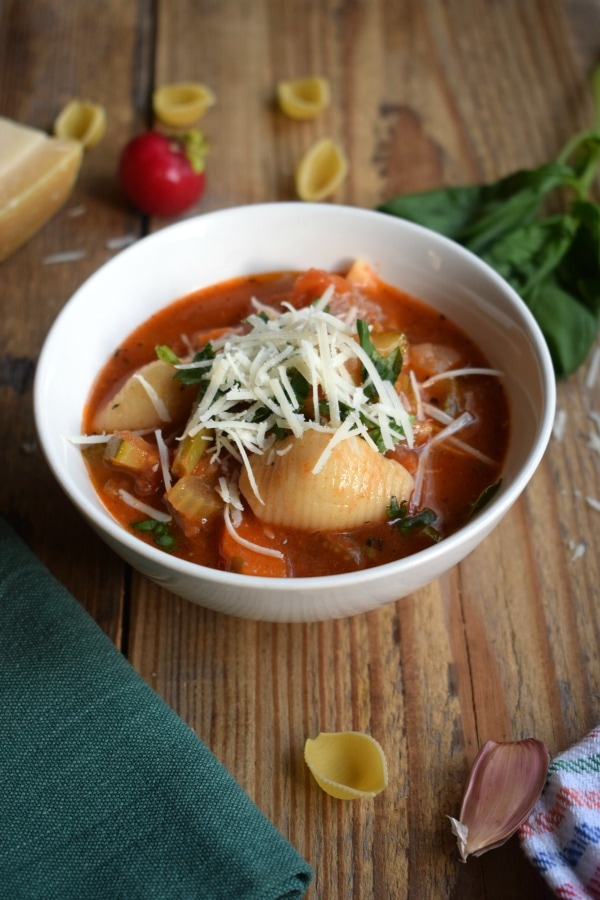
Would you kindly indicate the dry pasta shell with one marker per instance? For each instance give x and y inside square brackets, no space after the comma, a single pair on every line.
[321,170]
[303,98]
[81,121]
[182,104]
[347,765]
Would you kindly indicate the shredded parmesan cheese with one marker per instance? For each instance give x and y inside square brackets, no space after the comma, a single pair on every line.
[228,490]
[132,501]
[455,373]
[82,439]
[440,416]
[560,422]
[266,551]
[578,550]
[251,386]
[417,392]
[66,257]
[161,410]
[164,459]
[118,243]
[461,422]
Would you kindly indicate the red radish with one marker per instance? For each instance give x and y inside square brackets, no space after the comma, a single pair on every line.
[163,175]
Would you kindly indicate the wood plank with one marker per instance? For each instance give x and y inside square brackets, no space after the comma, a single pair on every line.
[38,79]
[406,126]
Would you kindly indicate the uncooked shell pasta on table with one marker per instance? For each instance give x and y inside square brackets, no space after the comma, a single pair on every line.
[347,765]
[321,170]
[304,98]
[81,121]
[182,105]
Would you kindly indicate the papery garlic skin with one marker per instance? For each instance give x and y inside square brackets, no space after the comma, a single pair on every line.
[503,786]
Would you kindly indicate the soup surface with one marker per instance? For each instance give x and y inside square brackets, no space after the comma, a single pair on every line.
[296,424]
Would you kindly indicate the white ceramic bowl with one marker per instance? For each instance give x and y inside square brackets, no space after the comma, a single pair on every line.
[274,237]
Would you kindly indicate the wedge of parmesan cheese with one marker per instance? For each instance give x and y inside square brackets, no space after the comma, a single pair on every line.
[37,174]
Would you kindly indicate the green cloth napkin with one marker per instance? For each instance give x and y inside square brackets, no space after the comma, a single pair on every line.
[104,792]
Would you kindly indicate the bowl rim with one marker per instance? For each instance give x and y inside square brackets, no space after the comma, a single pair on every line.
[102,520]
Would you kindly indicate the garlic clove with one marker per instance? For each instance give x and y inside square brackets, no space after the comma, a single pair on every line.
[504,784]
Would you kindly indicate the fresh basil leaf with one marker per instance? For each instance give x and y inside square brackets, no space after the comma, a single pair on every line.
[580,269]
[569,327]
[476,216]
[552,261]
[511,202]
[531,252]
[195,376]
[447,210]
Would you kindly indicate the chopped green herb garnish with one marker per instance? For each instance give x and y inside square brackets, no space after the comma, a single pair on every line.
[486,496]
[388,367]
[195,376]
[421,521]
[186,376]
[160,532]
[300,386]
[279,432]
[145,525]
[167,355]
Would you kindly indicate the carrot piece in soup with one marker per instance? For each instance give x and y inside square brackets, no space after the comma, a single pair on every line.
[312,284]
[244,560]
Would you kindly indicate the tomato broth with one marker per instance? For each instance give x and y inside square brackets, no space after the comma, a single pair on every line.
[459,470]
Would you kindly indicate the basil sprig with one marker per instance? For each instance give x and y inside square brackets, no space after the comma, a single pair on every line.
[552,260]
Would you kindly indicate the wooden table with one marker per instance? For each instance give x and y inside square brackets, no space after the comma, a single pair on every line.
[425,92]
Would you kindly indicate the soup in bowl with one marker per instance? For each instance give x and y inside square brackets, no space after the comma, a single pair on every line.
[294,412]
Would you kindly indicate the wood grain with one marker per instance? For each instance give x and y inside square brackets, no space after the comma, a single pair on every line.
[425,92]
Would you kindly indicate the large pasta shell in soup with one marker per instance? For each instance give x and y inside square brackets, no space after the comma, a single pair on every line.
[352,488]
[150,398]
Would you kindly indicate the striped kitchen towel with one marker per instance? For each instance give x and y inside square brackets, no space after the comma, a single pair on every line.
[561,837]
